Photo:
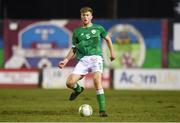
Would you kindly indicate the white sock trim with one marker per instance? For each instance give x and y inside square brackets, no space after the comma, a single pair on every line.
[75,85]
[100,91]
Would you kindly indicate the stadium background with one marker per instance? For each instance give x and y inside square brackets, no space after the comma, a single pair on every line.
[35,35]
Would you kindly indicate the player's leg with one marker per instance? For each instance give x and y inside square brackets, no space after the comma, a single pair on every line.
[72,83]
[97,69]
[97,77]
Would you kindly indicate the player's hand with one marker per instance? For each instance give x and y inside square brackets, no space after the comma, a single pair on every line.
[63,63]
[112,57]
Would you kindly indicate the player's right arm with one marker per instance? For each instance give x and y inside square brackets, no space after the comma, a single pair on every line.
[71,53]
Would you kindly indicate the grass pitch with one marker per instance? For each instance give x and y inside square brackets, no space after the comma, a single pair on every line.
[122,106]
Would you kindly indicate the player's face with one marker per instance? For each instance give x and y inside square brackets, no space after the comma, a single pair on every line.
[86,17]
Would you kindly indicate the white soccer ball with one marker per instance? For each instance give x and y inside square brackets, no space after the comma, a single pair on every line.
[85,110]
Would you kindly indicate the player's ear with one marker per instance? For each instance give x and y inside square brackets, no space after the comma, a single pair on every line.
[81,16]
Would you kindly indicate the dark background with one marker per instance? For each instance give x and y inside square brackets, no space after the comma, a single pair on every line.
[69,9]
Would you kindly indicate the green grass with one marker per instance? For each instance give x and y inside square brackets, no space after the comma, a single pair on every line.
[122,106]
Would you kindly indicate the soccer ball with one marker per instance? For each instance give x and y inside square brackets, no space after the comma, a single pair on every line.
[85,110]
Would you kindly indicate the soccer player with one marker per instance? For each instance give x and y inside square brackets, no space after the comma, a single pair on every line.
[87,49]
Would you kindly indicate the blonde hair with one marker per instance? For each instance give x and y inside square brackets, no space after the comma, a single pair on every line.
[86,9]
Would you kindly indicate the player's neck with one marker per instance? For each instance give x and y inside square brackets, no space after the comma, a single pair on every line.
[87,25]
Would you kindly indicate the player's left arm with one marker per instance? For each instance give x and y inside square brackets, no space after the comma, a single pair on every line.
[110,46]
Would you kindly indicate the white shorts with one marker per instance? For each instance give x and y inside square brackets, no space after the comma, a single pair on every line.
[89,64]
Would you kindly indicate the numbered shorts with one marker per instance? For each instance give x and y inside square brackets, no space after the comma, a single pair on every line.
[89,64]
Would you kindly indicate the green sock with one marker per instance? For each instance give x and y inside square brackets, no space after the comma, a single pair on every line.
[101,102]
[77,88]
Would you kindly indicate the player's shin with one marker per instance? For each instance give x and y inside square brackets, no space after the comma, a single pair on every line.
[101,99]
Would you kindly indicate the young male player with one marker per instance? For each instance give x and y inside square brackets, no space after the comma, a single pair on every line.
[87,49]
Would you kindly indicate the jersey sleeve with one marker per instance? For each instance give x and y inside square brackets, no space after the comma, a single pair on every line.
[103,32]
[74,40]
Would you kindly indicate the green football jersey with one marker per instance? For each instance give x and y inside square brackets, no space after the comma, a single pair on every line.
[87,41]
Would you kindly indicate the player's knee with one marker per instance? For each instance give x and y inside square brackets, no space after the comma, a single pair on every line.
[70,83]
[97,83]
[96,80]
